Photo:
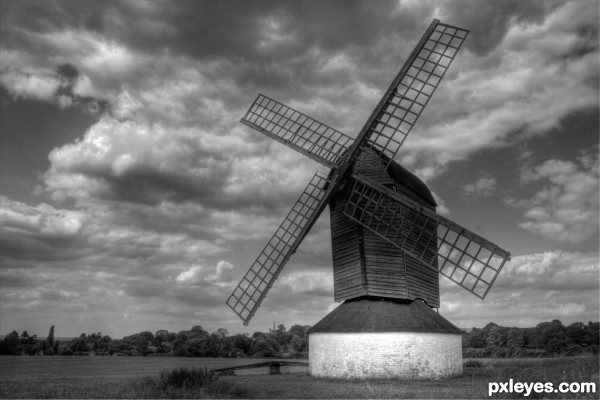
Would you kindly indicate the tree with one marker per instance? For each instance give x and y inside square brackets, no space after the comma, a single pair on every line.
[78,344]
[261,346]
[222,333]
[550,330]
[531,337]
[50,338]
[242,342]
[198,331]
[298,330]
[11,344]
[297,343]
[515,338]
[28,343]
[515,341]
[105,341]
[576,332]
[161,336]
[592,334]
[475,338]
[281,336]
[493,337]
[146,336]
[555,345]
[197,346]
[274,344]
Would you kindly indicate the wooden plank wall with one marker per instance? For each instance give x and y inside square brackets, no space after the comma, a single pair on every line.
[346,249]
[365,264]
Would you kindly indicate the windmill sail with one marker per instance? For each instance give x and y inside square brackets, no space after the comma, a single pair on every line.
[252,289]
[296,130]
[409,93]
[462,256]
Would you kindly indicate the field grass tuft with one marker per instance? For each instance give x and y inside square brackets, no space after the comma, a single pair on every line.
[187,377]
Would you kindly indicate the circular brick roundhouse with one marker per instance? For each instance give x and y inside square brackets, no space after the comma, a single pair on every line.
[374,337]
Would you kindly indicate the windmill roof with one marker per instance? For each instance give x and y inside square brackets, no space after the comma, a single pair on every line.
[409,180]
[378,314]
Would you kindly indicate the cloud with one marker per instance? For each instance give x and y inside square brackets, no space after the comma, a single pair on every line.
[222,276]
[42,220]
[442,207]
[566,207]
[308,282]
[530,289]
[539,70]
[483,186]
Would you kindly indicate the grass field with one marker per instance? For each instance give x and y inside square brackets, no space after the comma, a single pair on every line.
[20,367]
[136,377]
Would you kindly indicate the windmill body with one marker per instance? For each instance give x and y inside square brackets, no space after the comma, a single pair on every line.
[389,245]
[366,264]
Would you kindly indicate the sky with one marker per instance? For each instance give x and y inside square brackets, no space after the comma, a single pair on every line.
[132,199]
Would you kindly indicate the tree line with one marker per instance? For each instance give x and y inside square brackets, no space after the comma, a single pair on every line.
[545,339]
[195,342]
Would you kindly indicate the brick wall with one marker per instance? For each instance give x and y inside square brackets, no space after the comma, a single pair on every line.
[384,355]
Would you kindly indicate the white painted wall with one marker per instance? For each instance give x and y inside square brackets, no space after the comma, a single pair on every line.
[384,355]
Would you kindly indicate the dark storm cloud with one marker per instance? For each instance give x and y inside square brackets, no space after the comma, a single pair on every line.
[489,21]
[209,29]
[41,248]
[68,75]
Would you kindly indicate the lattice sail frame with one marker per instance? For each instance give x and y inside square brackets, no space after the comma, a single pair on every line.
[297,130]
[463,257]
[414,85]
[252,289]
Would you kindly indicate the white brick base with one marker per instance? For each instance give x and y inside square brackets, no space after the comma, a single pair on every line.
[384,355]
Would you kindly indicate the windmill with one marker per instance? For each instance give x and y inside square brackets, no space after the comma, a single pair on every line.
[389,245]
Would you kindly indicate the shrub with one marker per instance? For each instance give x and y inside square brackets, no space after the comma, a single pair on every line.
[572,350]
[65,351]
[49,352]
[187,377]
[473,364]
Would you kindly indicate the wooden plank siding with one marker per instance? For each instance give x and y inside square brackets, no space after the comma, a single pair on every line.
[346,249]
[364,263]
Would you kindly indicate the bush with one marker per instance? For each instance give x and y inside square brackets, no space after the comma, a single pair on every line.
[473,364]
[65,351]
[572,350]
[49,352]
[187,377]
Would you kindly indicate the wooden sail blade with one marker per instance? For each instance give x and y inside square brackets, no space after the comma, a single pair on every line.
[462,256]
[297,130]
[252,289]
[409,93]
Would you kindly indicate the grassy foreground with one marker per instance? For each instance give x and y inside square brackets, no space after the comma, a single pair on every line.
[472,384]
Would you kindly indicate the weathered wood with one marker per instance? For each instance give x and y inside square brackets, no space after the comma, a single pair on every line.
[366,264]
